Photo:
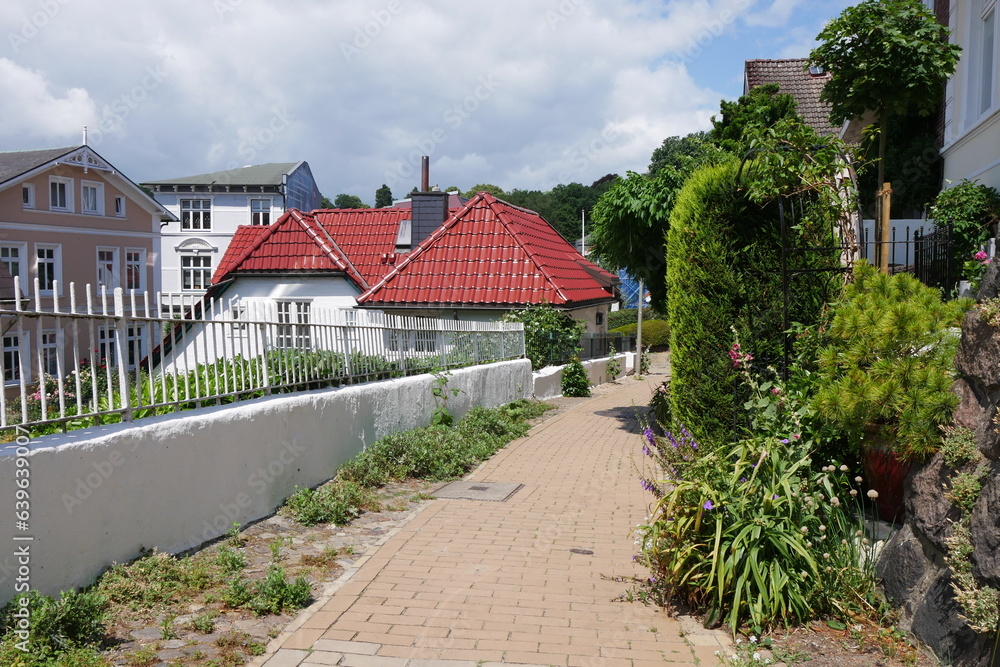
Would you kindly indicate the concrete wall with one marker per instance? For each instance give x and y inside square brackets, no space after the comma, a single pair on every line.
[548,380]
[99,496]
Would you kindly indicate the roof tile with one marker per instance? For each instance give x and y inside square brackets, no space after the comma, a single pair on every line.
[793,78]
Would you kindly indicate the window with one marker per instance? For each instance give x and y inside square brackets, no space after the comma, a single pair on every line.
[11,359]
[135,268]
[293,330]
[92,198]
[599,320]
[196,272]
[107,350]
[987,74]
[48,266]
[60,194]
[196,214]
[238,312]
[425,341]
[404,237]
[107,268]
[120,207]
[13,257]
[260,211]
[50,353]
[28,195]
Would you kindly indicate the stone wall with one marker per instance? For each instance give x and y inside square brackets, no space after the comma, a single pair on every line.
[912,564]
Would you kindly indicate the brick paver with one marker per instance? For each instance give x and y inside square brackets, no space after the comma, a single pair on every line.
[476,582]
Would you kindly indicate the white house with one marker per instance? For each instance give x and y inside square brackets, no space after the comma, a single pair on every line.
[210,207]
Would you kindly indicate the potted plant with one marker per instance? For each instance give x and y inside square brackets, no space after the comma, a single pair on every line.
[886,372]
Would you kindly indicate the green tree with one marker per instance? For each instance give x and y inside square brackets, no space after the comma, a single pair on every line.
[550,336]
[349,201]
[383,197]
[630,223]
[325,202]
[682,153]
[760,108]
[884,56]
[494,190]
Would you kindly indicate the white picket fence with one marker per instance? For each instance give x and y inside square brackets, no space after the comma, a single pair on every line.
[116,356]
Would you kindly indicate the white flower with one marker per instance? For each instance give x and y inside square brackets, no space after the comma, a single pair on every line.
[805,530]
[739,641]
[756,656]
[826,556]
[843,468]
[753,639]
[854,493]
[858,479]
[835,501]
[873,494]
[822,529]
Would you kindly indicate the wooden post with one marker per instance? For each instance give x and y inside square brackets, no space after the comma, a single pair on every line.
[884,206]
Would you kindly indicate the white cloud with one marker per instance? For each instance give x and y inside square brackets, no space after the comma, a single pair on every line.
[31,109]
[517,94]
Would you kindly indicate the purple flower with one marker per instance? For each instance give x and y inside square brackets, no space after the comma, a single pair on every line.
[785,440]
[648,432]
[708,505]
[645,450]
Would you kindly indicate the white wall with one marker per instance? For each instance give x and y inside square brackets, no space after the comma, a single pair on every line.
[99,496]
[548,380]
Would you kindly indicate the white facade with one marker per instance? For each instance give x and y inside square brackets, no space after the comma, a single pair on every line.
[972,108]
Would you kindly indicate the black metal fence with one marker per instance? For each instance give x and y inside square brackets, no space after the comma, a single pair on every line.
[920,249]
[589,346]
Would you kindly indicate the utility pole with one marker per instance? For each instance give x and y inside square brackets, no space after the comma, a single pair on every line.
[583,232]
[638,329]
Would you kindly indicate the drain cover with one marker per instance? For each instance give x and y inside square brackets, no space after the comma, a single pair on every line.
[495,491]
[585,552]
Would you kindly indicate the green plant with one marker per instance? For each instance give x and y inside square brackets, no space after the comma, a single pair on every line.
[235,537]
[441,393]
[337,501]
[270,595]
[575,381]
[614,365]
[620,318]
[229,560]
[644,362]
[205,623]
[971,209]
[167,630]
[655,333]
[57,627]
[550,336]
[659,405]
[888,364]
[747,653]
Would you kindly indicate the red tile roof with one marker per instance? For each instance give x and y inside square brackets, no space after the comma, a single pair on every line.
[491,253]
[793,78]
[366,236]
[296,242]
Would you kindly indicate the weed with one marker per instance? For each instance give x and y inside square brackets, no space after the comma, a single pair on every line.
[156,579]
[326,559]
[337,502]
[230,561]
[235,537]
[270,595]
[142,658]
[167,630]
[205,623]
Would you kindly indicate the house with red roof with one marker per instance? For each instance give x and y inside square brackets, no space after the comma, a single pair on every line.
[475,263]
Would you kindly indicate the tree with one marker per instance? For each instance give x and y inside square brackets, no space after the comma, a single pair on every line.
[349,201]
[762,107]
[630,223]
[494,190]
[884,56]
[683,153]
[383,197]
[325,202]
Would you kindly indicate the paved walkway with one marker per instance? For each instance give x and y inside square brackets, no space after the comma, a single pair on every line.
[469,582]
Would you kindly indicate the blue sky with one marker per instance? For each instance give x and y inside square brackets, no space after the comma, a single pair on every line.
[523,94]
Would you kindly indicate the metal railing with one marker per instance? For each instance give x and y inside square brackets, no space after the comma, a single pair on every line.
[117,357]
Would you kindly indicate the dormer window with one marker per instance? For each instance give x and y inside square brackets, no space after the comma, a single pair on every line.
[816,70]
[404,238]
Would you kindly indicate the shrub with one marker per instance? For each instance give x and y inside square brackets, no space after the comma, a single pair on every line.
[614,365]
[575,382]
[270,595]
[888,363]
[550,336]
[75,619]
[970,208]
[337,501]
[620,318]
[655,333]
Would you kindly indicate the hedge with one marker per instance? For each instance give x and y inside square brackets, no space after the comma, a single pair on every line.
[655,333]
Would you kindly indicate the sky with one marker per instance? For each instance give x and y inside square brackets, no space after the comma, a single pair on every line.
[521,94]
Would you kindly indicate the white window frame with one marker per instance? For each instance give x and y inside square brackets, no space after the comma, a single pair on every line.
[106,266]
[119,206]
[13,355]
[67,204]
[135,258]
[56,261]
[294,328]
[98,203]
[135,342]
[28,195]
[204,271]
[22,262]
[986,90]
[257,217]
[51,342]
[195,219]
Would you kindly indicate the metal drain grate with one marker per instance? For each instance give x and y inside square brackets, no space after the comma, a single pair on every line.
[492,491]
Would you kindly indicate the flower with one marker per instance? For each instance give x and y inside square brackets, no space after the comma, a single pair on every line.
[858,479]
[753,639]
[873,494]
[708,505]
[843,468]
[981,257]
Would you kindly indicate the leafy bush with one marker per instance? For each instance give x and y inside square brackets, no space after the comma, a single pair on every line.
[270,595]
[620,318]
[155,579]
[659,405]
[970,208]
[655,333]
[550,336]
[888,364]
[76,619]
[749,532]
[337,501]
[575,382]
[614,365]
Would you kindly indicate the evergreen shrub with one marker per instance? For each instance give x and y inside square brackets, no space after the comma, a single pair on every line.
[655,333]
